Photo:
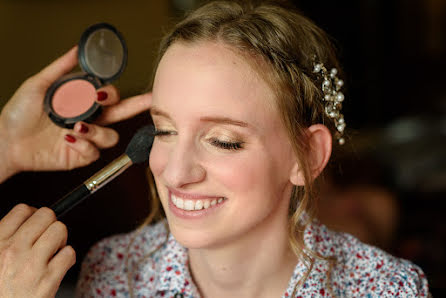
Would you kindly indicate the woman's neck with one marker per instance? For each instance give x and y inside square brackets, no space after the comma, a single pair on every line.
[260,264]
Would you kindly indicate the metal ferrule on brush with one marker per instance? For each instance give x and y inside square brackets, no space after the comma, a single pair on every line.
[107,174]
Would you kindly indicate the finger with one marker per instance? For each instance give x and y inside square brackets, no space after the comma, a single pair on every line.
[108,95]
[59,265]
[102,137]
[59,67]
[53,239]
[14,219]
[125,109]
[34,227]
[86,151]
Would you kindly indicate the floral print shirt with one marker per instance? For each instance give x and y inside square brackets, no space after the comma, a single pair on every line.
[155,267]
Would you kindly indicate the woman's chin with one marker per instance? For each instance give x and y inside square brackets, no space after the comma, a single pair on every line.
[195,239]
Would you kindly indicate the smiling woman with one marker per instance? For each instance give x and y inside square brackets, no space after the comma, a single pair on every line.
[245,110]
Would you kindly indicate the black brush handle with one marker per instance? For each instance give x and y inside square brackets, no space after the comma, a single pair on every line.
[70,200]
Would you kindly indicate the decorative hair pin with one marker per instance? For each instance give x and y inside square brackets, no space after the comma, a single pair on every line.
[333,98]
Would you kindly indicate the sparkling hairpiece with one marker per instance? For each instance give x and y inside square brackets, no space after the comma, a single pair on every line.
[333,98]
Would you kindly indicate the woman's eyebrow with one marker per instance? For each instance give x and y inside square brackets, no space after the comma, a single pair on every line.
[225,120]
[155,111]
[158,112]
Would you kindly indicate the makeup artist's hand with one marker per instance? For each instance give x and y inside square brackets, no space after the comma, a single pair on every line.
[34,256]
[30,141]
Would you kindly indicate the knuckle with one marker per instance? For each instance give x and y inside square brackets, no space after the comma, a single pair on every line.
[48,213]
[60,227]
[23,209]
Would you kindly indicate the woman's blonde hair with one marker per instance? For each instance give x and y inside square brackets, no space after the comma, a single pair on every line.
[283,47]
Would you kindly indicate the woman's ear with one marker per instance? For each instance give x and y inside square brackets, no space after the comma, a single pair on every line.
[318,155]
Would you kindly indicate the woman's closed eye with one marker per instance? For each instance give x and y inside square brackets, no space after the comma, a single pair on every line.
[226,145]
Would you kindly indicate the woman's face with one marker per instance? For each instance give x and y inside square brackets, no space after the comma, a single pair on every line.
[225,151]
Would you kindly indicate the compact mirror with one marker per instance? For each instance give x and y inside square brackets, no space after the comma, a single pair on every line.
[102,52]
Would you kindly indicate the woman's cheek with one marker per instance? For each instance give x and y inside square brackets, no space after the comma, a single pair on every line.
[240,173]
[158,158]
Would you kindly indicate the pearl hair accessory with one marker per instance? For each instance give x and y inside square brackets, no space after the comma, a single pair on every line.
[333,98]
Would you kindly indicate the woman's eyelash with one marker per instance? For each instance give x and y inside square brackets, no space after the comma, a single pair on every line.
[163,132]
[227,145]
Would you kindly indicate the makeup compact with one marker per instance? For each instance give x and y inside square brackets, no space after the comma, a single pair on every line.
[102,56]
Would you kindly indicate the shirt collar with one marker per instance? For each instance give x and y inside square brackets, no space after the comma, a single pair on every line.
[173,269]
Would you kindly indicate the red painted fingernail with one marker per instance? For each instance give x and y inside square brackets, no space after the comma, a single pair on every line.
[70,138]
[102,95]
[83,128]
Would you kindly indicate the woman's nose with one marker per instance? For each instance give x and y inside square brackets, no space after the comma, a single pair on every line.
[183,165]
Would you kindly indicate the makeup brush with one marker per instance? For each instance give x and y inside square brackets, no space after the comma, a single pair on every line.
[137,152]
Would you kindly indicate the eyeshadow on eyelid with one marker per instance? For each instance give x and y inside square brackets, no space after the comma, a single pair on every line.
[226,137]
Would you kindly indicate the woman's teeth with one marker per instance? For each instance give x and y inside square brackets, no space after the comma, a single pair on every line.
[190,205]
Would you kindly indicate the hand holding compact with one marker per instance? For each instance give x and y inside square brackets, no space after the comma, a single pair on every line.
[29,140]
[34,256]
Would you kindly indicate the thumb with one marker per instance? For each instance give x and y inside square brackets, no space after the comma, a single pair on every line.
[59,67]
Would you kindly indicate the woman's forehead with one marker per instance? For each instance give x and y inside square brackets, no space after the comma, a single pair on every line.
[211,72]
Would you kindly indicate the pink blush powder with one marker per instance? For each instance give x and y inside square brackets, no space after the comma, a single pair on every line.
[74,98]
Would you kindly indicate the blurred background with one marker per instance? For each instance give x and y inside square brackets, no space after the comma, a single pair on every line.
[386,185]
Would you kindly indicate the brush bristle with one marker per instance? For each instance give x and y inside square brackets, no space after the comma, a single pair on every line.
[139,147]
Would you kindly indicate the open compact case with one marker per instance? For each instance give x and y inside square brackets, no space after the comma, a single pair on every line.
[102,56]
